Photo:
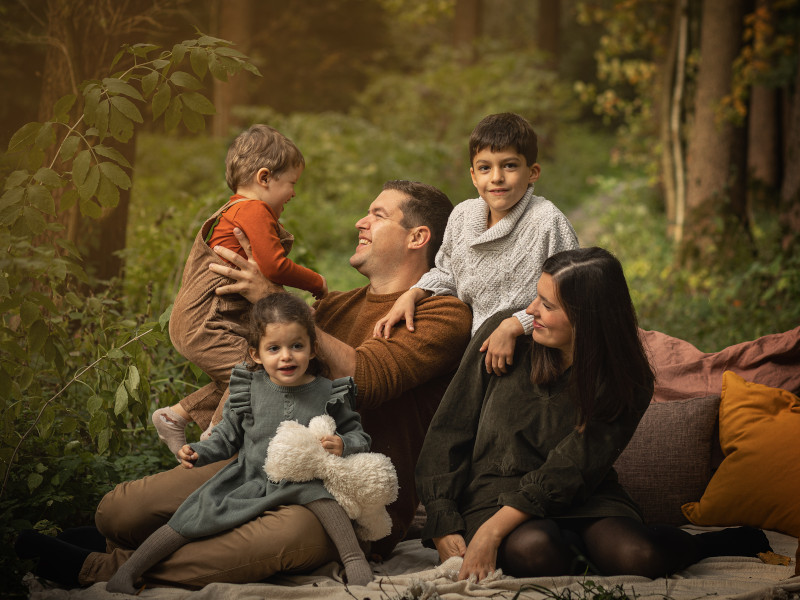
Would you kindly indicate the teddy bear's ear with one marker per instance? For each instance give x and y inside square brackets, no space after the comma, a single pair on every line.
[322,425]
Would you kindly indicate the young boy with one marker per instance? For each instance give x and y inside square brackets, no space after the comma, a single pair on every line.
[262,168]
[494,245]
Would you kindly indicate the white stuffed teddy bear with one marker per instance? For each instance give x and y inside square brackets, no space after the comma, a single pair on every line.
[363,483]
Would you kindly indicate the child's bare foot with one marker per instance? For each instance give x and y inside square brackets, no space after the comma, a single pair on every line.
[171,428]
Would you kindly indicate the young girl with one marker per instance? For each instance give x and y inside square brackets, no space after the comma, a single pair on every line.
[516,472]
[284,384]
[261,168]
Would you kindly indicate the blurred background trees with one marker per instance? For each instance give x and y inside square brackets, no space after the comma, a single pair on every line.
[669,133]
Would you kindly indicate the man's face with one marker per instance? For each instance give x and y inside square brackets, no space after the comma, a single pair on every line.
[382,240]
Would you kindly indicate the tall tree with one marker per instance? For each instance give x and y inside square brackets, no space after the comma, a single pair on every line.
[548,30]
[466,27]
[790,189]
[715,178]
[235,23]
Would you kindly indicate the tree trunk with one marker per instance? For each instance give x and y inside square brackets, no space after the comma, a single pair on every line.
[548,30]
[466,28]
[234,18]
[790,189]
[715,180]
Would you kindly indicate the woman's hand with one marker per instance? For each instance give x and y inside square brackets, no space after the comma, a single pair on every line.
[249,280]
[481,557]
[332,444]
[449,546]
[187,456]
[499,346]
[403,310]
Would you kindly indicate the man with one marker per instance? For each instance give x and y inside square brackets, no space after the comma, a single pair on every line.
[400,382]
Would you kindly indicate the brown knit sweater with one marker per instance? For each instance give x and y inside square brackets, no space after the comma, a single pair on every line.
[400,380]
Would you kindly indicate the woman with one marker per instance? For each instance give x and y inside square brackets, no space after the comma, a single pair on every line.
[516,471]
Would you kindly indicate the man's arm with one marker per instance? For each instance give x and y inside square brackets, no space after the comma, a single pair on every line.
[340,357]
[250,282]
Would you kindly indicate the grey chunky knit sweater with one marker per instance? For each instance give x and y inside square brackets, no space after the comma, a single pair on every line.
[497,268]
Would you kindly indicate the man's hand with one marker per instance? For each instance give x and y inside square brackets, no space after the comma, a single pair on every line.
[499,346]
[450,545]
[250,281]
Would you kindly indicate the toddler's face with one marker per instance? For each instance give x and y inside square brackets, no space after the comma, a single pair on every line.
[281,189]
[284,351]
[501,179]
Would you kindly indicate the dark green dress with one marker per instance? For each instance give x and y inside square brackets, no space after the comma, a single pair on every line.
[503,441]
[241,491]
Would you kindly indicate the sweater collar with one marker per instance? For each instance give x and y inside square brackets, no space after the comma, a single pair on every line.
[479,216]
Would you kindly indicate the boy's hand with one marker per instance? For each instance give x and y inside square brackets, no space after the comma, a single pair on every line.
[499,346]
[332,444]
[324,292]
[404,308]
[187,456]
[250,281]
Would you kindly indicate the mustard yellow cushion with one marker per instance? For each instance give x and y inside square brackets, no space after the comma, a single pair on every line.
[758,482]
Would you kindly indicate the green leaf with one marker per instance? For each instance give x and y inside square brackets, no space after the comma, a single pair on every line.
[149,83]
[207,40]
[198,103]
[90,208]
[113,154]
[163,320]
[199,61]
[34,220]
[63,106]
[185,80]
[117,86]
[161,100]
[228,51]
[80,167]
[40,197]
[160,63]
[120,126]
[173,114]
[12,197]
[91,100]
[24,136]
[73,299]
[101,121]
[97,423]
[133,378]
[102,440]
[94,404]
[194,121]
[68,200]
[28,312]
[47,177]
[217,69]
[24,378]
[127,108]
[247,66]
[37,334]
[115,174]
[120,399]
[89,185]
[107,192]
[46,136]
[178,52]
[16,178]
[34,480]
[68,147]
[115,354]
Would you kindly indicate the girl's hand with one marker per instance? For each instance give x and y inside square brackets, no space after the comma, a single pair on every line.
[449,546]
[499,346]
[480,558]
[187,456]
[333,444]
[403,310]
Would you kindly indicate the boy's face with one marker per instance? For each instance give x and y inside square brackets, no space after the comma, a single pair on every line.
[277,191]
[501,179]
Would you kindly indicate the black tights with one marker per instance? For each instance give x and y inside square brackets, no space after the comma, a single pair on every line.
[614,546]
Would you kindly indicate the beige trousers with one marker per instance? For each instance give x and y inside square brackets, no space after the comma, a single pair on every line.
[288,539]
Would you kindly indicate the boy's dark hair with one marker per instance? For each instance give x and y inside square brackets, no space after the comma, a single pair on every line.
[283,307]
[257,147]
[504,130]
[609,364]
[424,205]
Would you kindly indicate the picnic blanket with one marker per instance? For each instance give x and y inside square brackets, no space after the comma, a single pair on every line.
[413,572]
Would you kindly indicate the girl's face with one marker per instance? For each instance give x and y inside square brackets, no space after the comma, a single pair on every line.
[285,351]
[551,327]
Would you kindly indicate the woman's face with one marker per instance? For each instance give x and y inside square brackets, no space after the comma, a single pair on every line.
[550,324]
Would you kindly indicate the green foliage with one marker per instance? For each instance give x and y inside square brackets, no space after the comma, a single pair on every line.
[75,367]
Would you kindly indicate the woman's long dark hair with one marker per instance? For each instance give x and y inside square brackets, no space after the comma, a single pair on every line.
[609,364]
[283,307]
